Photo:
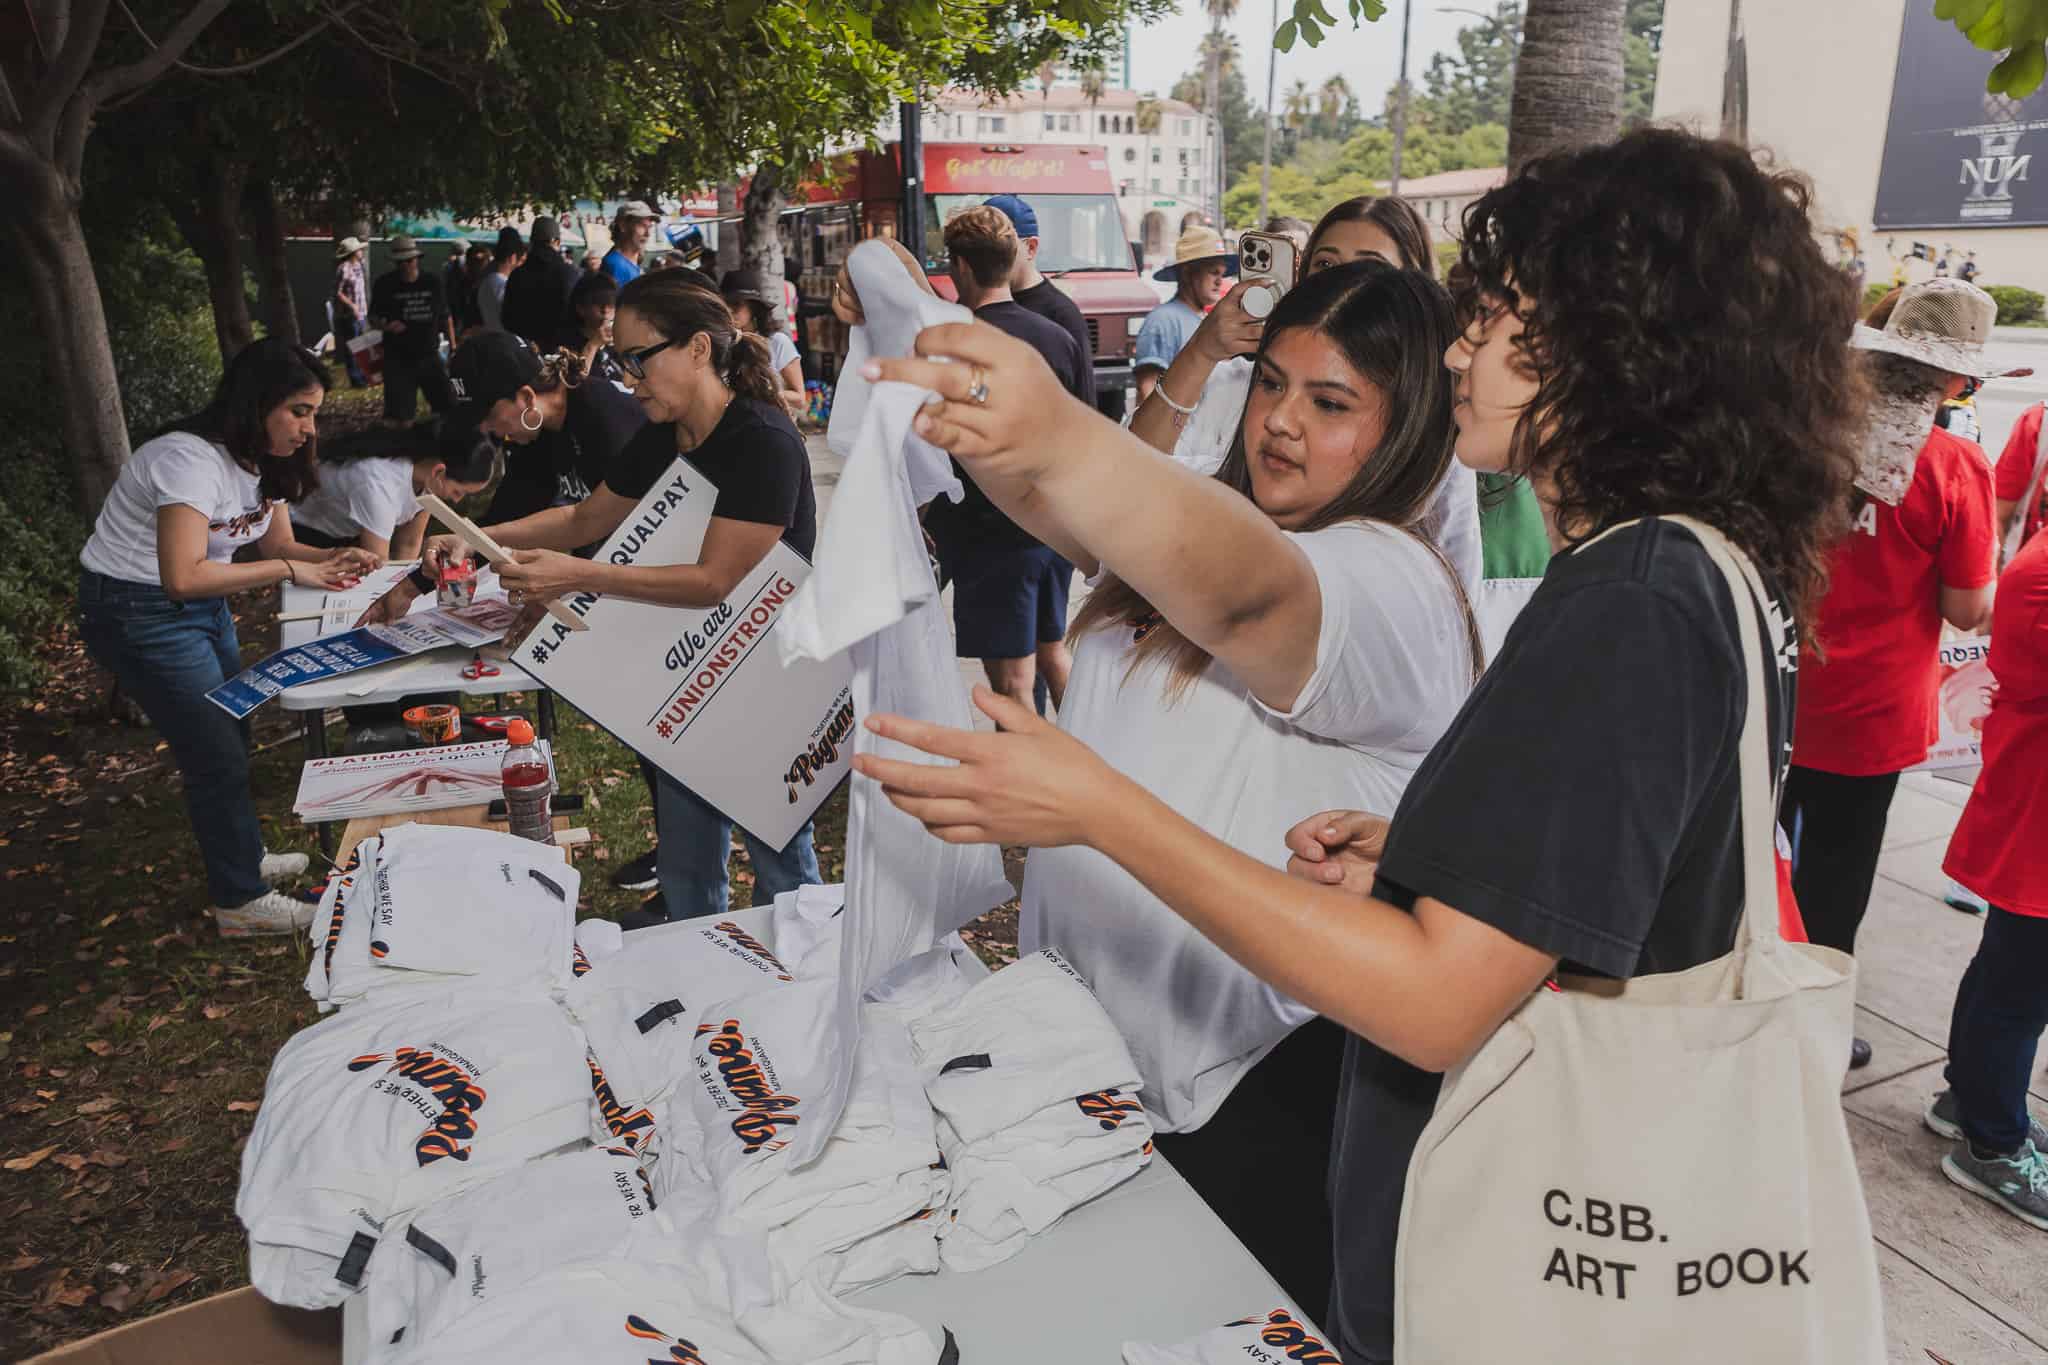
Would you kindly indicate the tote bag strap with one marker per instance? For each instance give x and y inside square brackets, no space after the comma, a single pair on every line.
[1759,926]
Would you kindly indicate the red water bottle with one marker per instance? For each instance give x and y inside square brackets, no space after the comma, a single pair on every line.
[525,774]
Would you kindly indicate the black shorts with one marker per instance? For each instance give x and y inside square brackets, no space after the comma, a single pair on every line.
[1008,602]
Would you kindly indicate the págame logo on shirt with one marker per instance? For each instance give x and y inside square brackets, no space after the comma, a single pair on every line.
[632,1128]
[1109,1108]
[747,949]
[439,1081]
[1285,1332]
[763,1109]
[680,1352]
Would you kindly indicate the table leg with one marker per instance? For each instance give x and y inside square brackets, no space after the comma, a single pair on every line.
[316,747]
[545,711]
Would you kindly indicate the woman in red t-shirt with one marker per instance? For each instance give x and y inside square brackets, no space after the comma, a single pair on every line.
[2021,484]
[1866,704]
[1998,852]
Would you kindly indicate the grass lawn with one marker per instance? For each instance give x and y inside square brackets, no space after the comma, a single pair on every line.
[134,1041]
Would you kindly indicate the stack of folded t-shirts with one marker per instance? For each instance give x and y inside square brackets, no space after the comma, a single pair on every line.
[1276,1335]
[1038,1106]
[431,905]
[389,1106]
[657,1304]
[806,924]
[638,1002]
[480,1248]
[859,1213]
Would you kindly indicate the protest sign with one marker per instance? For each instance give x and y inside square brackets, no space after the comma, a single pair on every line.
[437,778]
[1965,699]
[353,650]
[700,692]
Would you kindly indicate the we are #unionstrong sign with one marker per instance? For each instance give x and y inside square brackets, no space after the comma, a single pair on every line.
[702,693]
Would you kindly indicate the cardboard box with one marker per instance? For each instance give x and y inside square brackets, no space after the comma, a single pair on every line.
[239,1327]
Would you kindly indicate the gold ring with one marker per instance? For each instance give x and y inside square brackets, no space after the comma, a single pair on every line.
[977,386]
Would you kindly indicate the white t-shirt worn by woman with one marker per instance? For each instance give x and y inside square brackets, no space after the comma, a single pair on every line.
[1392,668]
[372,494]
[175,469]
[781,351]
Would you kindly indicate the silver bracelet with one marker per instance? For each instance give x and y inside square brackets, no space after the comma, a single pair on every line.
[1167,398]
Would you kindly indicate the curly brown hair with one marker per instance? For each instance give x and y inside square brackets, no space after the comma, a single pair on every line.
[1689,343]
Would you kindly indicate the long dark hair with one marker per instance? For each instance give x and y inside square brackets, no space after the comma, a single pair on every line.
[1392,326]
[1689,343]
[470,455]
[263,375]
[679,308]
[1395,217]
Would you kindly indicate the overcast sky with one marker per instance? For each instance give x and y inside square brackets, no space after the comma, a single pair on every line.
[1368,56]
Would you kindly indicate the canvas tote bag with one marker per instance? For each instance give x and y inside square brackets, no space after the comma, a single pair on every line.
[1655,1170]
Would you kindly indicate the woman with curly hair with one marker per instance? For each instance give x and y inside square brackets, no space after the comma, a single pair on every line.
[1650,330]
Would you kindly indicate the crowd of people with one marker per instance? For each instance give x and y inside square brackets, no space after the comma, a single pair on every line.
[1322,807]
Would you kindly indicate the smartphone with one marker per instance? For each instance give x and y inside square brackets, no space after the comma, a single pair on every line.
[1271,259]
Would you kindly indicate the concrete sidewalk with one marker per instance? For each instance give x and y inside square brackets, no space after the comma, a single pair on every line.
[1961,1278]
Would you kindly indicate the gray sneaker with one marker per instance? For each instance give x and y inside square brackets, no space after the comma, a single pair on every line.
[2017,1183]
[273,912]
[282,867]
[1941,1118]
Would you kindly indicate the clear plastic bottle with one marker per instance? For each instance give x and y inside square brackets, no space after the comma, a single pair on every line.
[525,775]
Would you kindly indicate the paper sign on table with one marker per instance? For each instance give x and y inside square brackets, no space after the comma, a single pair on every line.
[703,693]
[1964,700]
[437,778]
[478,624]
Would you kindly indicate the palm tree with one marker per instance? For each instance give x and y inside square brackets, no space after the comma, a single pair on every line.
[1297,103]
[1333,97]
[1047,74]
[1093,83]
[1568,77]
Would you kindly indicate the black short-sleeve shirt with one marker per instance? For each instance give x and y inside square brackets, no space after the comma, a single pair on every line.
[975,523]
[1050,302]
[1584,802]
[754,457]
[558,468]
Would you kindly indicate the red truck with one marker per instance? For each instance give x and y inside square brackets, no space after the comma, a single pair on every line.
[1081,241]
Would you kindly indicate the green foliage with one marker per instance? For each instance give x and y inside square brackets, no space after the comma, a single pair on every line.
[2017,28]
[1244,127]
[1475,84]
[1311,18]
[1874,291]
[2016,304]
[1323,173]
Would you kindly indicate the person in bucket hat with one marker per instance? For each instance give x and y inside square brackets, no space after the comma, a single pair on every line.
[411,308]
[350,303]
[1200,268]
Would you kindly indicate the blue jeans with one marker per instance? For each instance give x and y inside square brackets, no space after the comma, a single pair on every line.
[2001,1011]
[166,655]
[696,845]
[347,327]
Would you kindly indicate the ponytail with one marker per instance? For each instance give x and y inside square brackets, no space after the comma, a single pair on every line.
[679,307]
[749,371]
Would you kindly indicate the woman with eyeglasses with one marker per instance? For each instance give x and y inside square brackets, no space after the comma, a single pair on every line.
[708,395]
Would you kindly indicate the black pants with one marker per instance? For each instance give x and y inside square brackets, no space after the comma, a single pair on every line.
[1263,1161]
[2001,1011]
[407,377]
[1836,825]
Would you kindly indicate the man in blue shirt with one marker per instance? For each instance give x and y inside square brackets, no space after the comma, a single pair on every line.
[1201,268]
[629,239]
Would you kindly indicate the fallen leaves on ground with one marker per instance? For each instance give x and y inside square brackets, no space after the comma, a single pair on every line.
[32,1160]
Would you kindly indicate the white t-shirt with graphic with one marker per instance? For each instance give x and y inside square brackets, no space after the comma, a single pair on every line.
[175,469]
[354,496]
[1392,669]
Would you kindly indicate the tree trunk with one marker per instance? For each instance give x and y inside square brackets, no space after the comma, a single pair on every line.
[273,275]
[1568,78]
[73,326]
[212,224]
[728,229]
[760,243]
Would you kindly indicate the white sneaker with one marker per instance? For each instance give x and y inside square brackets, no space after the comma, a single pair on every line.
[273,912]
[277,867]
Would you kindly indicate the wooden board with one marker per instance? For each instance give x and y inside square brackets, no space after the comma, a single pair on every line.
[478,539]
[474,817]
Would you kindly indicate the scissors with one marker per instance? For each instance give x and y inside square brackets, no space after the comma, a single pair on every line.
[477,668]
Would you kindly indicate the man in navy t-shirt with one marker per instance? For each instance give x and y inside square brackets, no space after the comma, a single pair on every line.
[1009,590]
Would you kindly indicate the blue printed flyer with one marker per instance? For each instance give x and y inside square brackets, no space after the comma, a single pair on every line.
[365,647]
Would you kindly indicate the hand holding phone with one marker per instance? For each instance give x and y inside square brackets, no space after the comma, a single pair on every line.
[1273,261]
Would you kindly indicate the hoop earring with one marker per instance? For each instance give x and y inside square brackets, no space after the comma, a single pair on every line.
[534,413]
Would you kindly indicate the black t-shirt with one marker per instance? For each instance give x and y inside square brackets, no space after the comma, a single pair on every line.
[421,305]
[536,303]
[754,457]
[1585,802]
[1050,302]
[558,468]
[975,523]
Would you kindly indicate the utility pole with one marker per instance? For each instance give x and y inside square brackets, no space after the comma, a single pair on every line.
[1401,102]
[1266,169]
[910,147]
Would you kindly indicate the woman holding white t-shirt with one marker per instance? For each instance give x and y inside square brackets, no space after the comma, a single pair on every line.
[153,588]
[1256,641]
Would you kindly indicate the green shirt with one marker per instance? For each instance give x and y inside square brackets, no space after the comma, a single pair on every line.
[1512,539]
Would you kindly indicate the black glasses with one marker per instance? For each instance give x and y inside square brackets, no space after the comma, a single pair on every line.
[634,363]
